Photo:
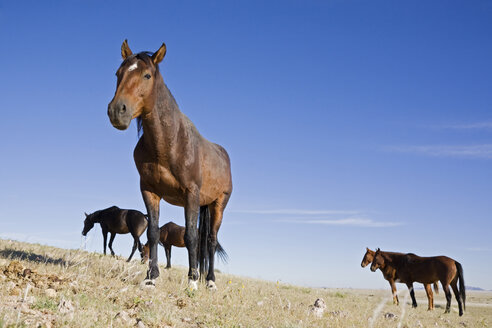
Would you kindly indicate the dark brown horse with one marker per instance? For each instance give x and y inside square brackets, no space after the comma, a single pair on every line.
[174,161]
[389,274]
[172,234]
[409,268]
[116,220]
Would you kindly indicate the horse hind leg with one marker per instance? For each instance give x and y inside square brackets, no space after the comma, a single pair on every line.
[167,248]
[111,239]
[454,285]
[133,250]
[412,294]
[216,213]
[447,292]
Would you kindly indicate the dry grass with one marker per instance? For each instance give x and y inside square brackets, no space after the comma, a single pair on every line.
[71,288]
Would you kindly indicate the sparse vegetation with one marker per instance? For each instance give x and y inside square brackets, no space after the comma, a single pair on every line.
[42,286]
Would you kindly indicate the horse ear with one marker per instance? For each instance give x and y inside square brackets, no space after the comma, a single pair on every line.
[125,50]
[86,215]
[158,56]
[367,248]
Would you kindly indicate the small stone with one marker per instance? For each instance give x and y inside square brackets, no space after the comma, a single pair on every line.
[140,324]
[50,292]
[180,303]
[65,306]
[260,303]
[122,317]
[10,285]
[389,315]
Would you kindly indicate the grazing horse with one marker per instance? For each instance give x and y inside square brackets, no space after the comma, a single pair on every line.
[389,274]
[174,161]
[116,220]
[172,234]
[409,268]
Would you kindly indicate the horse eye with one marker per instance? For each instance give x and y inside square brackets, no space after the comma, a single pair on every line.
[147,76]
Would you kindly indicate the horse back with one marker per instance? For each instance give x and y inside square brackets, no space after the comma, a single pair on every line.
[430,269]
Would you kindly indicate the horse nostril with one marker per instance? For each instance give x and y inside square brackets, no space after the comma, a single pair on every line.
[123,109]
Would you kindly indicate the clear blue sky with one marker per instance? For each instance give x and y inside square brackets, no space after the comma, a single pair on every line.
[349,124]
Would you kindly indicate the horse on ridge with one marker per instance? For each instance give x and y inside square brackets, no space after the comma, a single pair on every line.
[389,275]
[117,221]
[174,161]
[172,234]
[409,268]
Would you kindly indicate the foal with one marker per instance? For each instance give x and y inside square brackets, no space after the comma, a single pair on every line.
[115,220]
[409,268]
[172,234]
[389,275]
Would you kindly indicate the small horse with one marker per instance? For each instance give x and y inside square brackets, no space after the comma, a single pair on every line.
[174,161]
[115,220]
[389,275]
[409,268]
[172,234]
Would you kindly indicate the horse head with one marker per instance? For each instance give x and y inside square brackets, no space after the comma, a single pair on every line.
[378,261]
[88,223]
[145,253]
[136,80]
[368,257]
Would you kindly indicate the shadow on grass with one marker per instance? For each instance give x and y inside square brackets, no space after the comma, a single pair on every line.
[31,257]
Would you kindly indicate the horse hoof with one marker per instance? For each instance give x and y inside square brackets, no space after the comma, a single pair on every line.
[148,283]
[211,285]
[193,284]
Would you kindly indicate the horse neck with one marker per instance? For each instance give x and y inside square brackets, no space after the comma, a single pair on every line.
[96,217]
[161,123]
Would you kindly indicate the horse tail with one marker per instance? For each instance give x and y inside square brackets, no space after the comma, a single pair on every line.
[221,253]
[203,232]
[461,283]
[436,287]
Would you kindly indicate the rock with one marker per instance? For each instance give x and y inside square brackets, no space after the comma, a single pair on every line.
[140,324]
[340,314]
[318,308]
[50,292]
[66,307]
[260,303]
[389,315]
[10,285]
[123,318]
[180,303]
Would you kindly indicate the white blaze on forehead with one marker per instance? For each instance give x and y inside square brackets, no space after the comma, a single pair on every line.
[132,67]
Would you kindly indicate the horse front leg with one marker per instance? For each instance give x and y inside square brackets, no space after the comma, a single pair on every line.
[191,236]
[151,201]
[430,296]
[393,291]
[105,239]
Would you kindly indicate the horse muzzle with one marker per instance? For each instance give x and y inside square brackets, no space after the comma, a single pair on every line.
[120,115]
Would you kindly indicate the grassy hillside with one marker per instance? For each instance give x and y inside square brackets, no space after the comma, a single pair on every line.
[51,287]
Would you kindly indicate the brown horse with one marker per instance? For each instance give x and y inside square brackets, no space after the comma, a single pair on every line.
[172,234]
[389,274]
[409,268]
[174,161]
[116,220]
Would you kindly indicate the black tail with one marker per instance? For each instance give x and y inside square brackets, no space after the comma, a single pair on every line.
[203,242]
[203,232]
[221,253]
[461,283]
